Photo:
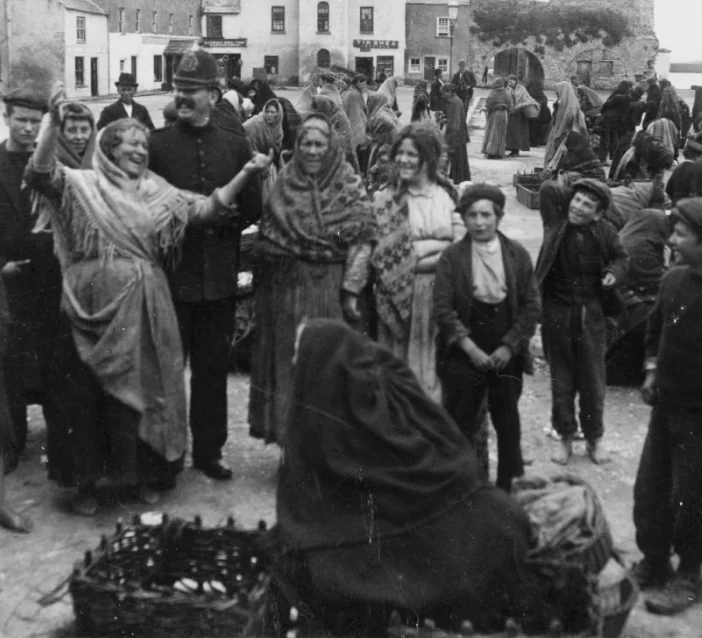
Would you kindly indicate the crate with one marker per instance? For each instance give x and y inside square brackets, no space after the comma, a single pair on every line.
[536,177]
[528,194]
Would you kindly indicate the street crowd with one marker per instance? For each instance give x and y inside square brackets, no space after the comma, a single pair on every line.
[392,315]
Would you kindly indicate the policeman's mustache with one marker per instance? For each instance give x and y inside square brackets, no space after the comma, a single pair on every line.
[186,102]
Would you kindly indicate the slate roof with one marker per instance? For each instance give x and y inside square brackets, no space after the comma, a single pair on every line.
[86,6]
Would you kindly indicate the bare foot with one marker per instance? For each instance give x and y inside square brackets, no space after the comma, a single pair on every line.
[565,451]
[14,522]
[598,455]
[147,495]
[85,503]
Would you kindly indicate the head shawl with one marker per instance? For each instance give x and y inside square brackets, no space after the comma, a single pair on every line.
[263,136]
[264,93]
[569,118]
[383,124]
[367,453]
[389,90]
[341,126]
[498,97]
[318,218]
[669,107]
[580,158]
[291,122]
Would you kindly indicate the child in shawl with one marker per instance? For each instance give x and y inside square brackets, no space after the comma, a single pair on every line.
[498,105]
[420,102]
[265,135]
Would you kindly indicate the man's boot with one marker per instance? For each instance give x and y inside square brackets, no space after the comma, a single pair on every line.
[681,592]
[565,451]
[597,452]
[653,572]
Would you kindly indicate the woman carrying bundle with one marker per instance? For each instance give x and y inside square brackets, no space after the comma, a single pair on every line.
[518,124]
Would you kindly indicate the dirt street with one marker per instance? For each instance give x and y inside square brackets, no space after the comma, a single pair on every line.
[32,565]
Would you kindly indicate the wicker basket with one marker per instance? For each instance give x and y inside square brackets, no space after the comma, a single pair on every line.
[614,606]
[168,580]
[528,194]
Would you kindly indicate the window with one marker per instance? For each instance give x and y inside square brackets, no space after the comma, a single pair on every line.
[606,67]
[134,66]
[120,26]
[214,27]
[442,27]
[271,64]
[158,68]
[415,65]
[190,25]
[323,17]
[154,21]
[366,19]
[80,71]
[323,59]
[137,23]
[170,23]
[121,65]
[442,63]
[80,28]
[278,19]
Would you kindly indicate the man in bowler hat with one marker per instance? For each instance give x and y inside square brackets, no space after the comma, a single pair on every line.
[125,106]
[209,153]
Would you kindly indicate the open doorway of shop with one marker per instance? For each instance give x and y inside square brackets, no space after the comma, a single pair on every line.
[365,66]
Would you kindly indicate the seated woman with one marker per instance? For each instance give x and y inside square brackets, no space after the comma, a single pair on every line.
[114,226]
[486,306]
[378,503]
[644,238]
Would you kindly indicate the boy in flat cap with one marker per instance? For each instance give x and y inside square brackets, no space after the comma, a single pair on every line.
[581,259]
[125,106]
[486,307]
[668,490]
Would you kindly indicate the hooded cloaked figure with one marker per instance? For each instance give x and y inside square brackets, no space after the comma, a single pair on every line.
[568,118]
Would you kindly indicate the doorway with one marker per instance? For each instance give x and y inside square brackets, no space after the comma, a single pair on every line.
[93,76]
[524,64]
[584,71]
[365,67]
[386,64]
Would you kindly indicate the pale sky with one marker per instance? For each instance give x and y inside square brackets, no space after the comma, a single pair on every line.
[679,28]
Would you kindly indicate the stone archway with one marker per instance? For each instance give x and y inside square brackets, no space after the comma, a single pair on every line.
[520,62]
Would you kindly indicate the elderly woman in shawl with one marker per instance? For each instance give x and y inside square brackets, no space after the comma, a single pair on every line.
[420,103]
[379,507]
[498,106]
[113,226]
[389,90]
[315,242]
[417,220]
[644,238]
[383,124]
[538,127]
[568,118]
[518,124]
[265,135]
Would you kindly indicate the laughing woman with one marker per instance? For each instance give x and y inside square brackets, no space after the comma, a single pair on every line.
[114,226]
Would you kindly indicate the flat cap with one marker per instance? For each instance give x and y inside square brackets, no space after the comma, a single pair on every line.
[28,97]
[597,188]
[473,193]
[689,210]
[197,69]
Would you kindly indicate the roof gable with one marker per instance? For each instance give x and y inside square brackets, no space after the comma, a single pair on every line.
[86,6]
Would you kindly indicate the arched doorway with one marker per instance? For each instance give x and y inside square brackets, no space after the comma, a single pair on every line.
[520,62]
[323,59]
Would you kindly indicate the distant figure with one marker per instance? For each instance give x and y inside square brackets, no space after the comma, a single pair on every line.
[485,76]
[464,81]
[436,101]
[125,106]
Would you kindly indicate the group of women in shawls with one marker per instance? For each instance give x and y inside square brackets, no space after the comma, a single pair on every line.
[114,226]
[518,123]
[497,106]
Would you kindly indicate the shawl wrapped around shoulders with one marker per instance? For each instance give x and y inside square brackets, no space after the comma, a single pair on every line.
[498,100]
[263,136]
[522,99]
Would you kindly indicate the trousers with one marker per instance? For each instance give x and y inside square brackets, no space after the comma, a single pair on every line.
[207,329]
[668,488]
[574,340]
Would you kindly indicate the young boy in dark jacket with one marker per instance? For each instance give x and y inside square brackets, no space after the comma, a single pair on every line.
[668,490]
[581,260]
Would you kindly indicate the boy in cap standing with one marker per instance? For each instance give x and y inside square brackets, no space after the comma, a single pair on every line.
[668,490]
[581,259]
[125,106]
[200,154]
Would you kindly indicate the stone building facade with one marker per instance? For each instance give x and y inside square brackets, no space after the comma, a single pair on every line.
[599,65]
[287,40]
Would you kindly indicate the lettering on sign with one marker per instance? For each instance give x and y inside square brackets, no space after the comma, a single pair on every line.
[235,42]
[376,44]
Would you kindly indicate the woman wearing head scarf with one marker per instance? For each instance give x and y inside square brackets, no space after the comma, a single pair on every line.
[355,108]
[416,221]
[340,125]
[329,89]
[569,118]
[265,135]
[389,90]
[315,241]
[378,504]
[498,106]
[654,95]
[670,105]
[113,228]
[609,124]
[538,127]
[259,92]
[420,102]
[580,158]
[644,238]
[590,102]
[456,135]
[383,124]
[518,124]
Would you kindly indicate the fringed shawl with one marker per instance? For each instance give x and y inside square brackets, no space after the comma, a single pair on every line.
[263,136]
[318,218]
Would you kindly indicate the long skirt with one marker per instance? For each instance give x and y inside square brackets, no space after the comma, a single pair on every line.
[495,141]
[517,132]
[459,170]
[419,349]
[287,291]
[538,128]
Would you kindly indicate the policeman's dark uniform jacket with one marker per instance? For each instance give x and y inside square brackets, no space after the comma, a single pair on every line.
[204,281]
[117,111]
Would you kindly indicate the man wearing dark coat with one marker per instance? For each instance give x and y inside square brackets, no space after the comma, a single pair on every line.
[465,81]
[125,106]
[202,152]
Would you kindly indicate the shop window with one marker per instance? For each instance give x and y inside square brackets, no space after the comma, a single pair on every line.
[323,59]
[270,62]
[442,63]
[80,29]
[158,68]
[278,19]
[415,65]
[214,27]
[366,19]
[605,68]
[442,27]
[323,17]
[80,71]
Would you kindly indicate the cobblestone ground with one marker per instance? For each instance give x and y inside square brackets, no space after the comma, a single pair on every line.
[33,565]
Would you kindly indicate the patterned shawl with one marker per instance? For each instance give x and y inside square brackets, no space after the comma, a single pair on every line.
[383,124]
[262,136]
[318,218]
[340,124]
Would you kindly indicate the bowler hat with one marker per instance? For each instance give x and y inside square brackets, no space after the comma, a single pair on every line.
[126,79]
[597,188]
[27,97]
[197,69]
